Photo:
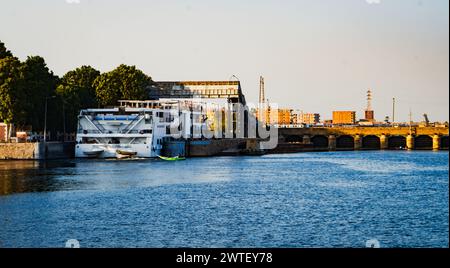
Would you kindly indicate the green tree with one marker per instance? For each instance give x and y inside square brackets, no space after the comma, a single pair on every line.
[4,52]
[124,82]
[40,84]
[12,93]
[77,92]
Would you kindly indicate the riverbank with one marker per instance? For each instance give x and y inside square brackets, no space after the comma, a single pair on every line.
[37,150]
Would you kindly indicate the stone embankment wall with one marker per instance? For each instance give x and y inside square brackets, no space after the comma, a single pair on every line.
[37,151]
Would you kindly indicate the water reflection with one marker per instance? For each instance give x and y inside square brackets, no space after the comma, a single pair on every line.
[104,175]
[29,176]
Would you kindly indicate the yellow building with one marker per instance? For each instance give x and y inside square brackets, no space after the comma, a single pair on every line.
[344,117]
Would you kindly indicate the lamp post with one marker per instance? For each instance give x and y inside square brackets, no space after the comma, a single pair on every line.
[64,121]
[45,117]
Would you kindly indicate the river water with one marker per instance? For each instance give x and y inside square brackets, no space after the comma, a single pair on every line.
[327,199]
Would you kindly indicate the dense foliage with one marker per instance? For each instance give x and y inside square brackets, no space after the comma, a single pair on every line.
[77,92]
[26,87]
[123,83]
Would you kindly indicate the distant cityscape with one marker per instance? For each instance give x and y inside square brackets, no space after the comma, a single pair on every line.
[288,117]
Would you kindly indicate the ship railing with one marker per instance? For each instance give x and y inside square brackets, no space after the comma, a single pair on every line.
[132,124]
[92,131]
[97,125]
[89,131]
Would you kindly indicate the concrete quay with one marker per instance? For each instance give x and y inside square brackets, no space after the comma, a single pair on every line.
[37,150]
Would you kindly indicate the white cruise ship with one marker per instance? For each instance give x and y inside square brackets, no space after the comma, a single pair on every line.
[135,128]
[121,132]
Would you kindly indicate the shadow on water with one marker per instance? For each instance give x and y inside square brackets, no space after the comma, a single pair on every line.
[31,176]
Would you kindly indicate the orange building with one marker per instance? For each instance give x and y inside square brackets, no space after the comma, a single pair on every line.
[344,117]
[369,115]
[284,117]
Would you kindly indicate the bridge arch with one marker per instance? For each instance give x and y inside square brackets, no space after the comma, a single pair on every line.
[423,142]
[345,142]
[396,142]
[444,142]
[371,142]
[294,139]
[320,141]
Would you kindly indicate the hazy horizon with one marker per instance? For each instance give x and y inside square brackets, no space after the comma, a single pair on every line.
[315,55]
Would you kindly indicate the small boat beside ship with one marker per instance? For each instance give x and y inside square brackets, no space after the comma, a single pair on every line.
[174,158]
[124,153]
[93,153]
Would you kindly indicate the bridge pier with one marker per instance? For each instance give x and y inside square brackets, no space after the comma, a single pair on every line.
[436,142]
[358,142]
[410,142]
[332,143]
[368,138]
[383,142]
[306,139]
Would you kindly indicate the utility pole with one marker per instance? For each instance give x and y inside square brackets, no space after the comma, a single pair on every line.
[369,100]
[45,117]
[64,121]
[393,110]
[368,113]
[410,121]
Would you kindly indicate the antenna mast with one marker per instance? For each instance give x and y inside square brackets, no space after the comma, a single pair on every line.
[369,114]
[369,100]
[393,110]
[410,121]
[262,98]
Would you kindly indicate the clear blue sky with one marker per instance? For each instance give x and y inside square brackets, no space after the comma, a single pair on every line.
[316,55]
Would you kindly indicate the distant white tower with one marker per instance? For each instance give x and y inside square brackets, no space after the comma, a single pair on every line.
[262,98]
[263,110]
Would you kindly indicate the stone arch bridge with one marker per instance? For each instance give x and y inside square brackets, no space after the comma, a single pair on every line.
[366,138]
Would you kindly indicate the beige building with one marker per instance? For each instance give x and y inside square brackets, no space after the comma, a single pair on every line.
[311,119]
[275,116]
[299,117]
[287,116]
[229,90]
[344,117]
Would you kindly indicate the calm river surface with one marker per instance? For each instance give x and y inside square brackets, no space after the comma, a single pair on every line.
[336,199]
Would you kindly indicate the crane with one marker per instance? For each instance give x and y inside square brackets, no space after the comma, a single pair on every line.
[427,122]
